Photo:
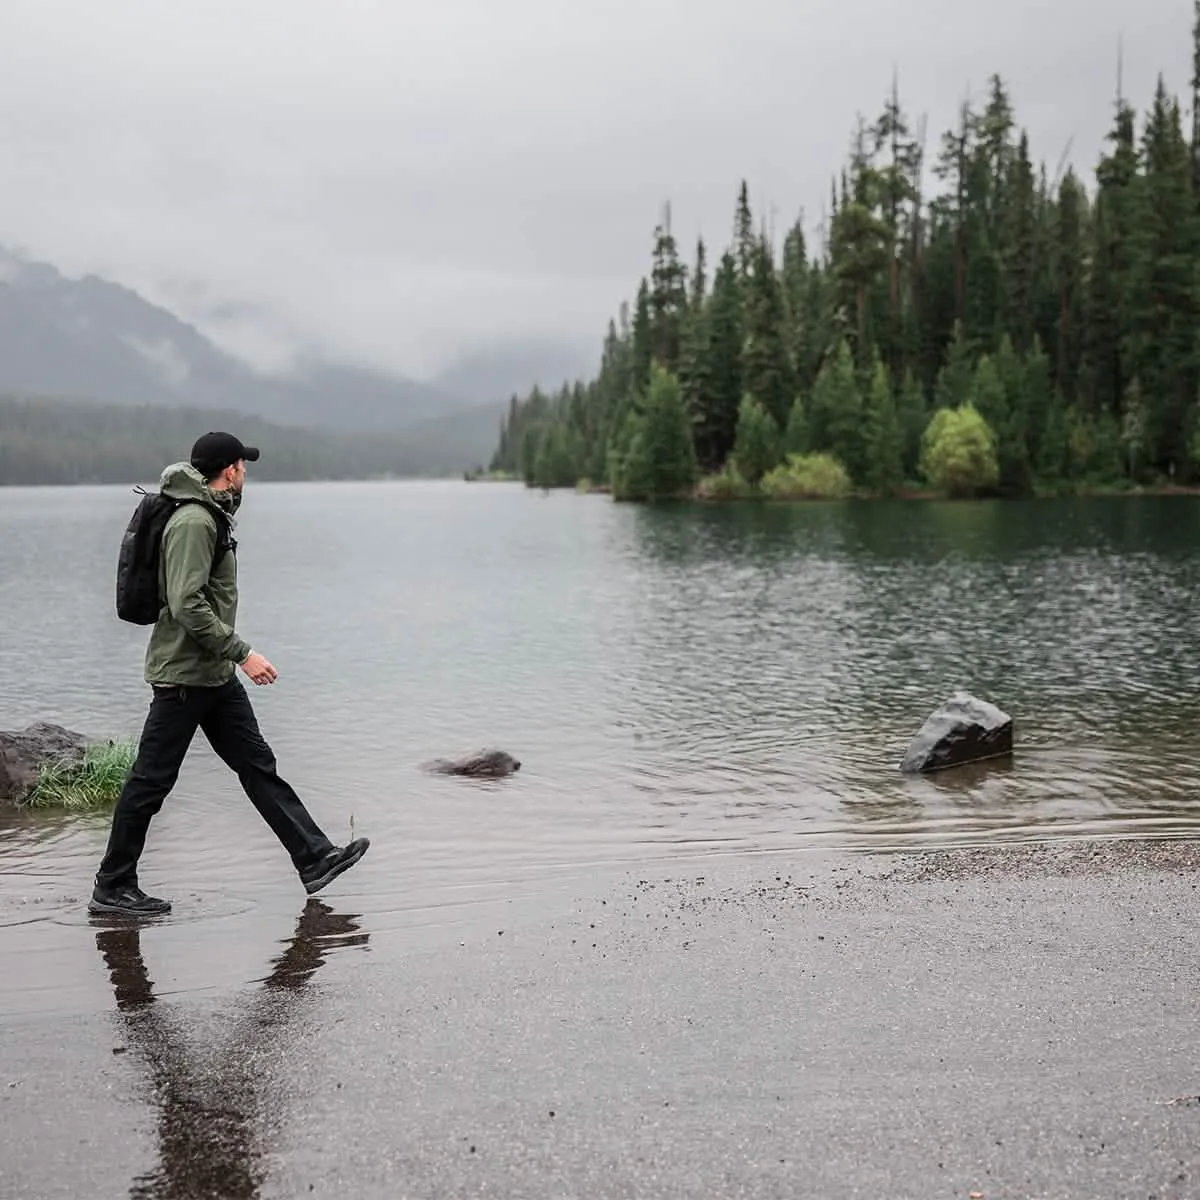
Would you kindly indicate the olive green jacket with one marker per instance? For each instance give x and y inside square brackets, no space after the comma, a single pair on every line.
[194,642]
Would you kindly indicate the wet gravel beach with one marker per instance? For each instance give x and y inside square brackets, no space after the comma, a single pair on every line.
[1015,1021]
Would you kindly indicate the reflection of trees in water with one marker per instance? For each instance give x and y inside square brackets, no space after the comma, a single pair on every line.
[920,532]
[780,657]
[1023,601]
[760,534]
[211,1123]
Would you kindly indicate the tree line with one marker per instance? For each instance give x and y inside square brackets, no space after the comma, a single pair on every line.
[1012,333]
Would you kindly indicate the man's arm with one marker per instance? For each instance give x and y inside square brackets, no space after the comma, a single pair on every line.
[187,552]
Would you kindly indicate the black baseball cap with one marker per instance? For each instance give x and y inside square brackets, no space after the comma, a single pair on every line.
[213,452]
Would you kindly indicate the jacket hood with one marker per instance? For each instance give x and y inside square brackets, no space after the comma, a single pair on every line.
[181,481]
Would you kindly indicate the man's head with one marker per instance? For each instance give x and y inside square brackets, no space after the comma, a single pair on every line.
[221,459]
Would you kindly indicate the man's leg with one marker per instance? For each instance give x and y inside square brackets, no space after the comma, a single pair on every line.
[166,735]
[232,729]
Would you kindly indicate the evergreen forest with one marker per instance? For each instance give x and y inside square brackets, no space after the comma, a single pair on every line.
[1002,328]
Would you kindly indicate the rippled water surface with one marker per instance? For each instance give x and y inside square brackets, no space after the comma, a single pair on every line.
[676,681]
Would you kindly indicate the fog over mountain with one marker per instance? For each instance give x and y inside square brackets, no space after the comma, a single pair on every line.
[76,355]
[93,339]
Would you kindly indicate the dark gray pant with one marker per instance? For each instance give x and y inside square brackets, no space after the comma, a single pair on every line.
[225,715]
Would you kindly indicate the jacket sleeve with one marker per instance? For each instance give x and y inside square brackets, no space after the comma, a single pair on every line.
[187,552]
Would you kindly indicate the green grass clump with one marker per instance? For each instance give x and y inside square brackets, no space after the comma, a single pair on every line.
[91,781]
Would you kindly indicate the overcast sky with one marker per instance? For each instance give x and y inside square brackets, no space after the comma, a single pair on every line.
[400,181]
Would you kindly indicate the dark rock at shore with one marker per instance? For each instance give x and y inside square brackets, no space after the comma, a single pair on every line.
[22,753]
[964,730]
[483,764]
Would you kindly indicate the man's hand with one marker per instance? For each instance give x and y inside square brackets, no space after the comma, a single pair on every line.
[259,669]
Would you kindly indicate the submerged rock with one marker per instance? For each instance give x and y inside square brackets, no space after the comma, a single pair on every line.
[483,764]
[964,730]
[22,753]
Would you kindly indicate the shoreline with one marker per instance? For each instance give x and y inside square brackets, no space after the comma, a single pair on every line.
[1005,1020]
[907,493]
[1055,857]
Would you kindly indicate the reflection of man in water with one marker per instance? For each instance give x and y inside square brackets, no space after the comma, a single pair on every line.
[210,1118]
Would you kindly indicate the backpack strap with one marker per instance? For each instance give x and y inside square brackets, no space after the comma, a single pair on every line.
[225,542]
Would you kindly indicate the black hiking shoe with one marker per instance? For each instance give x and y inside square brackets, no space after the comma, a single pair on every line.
[127,899]
[332,865]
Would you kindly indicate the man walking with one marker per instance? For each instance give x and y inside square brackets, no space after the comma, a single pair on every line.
[191,661]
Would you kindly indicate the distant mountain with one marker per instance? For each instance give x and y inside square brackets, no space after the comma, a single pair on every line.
[89,341]
[93,339]
[53,441]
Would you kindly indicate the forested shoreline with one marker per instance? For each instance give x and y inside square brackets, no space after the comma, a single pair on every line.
[1015,333]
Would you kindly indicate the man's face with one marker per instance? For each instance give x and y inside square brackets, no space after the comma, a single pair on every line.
[236,475]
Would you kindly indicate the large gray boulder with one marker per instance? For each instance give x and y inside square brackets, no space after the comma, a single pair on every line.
[964,730]
[22,753]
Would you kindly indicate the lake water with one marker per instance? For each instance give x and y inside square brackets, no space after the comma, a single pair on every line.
[678,682]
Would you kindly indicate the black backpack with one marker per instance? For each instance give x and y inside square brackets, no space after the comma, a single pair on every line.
[137,564]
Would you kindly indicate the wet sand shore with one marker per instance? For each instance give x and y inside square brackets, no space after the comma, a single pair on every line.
[1019,1021]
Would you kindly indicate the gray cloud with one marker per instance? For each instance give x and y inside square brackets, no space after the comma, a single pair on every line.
[399,183]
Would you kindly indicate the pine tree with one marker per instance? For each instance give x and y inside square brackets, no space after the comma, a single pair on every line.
[795,280]
[669,435]
[1013,430]
[992,400]
[1164,306]
[1111,290]
[912,416]
[668,298]
[897,191]
[531,441]
[656,459]
[696,362]
[1195,81]
[796,438]
[715,418]
[1046,419]
[1018,255]
[884,471]
[1070,216]
[743,237]
[813,337]
[954,379]
[643,340]
[699,294]
[758,445]
[950,215]
[836,413]
[555,458]
[766,371]
[860,240]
